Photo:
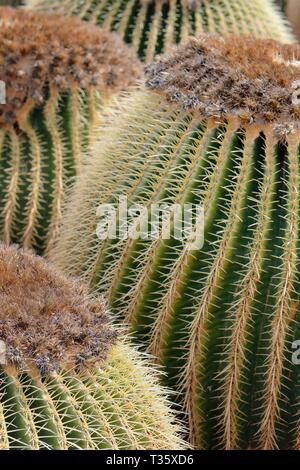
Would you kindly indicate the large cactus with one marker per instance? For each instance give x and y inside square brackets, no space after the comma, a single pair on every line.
[152,26]
[59,75]
[216,126]
[66,380]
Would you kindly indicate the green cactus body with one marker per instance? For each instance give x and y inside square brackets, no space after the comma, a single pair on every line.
[220,319]
[56,95]
[117,406]
[153,26]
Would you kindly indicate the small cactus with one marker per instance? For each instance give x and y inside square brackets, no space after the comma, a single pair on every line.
[66,380]
[59,75]
[216,125]
[152,26]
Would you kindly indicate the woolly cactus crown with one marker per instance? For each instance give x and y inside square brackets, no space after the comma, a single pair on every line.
[47,320]
[41,51]
[215,127]
[250,79]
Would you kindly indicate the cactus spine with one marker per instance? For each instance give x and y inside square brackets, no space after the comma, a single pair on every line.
[220,319]
[11,3]
[58,85]
[66,380]
[153,26]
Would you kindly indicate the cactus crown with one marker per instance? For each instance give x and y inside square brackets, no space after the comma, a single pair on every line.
[38,50]
[190,4]
[245,77]
[48,320]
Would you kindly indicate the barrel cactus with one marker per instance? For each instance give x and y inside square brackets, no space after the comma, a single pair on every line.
[152,26]
[67,381]
[60,75]
[215,126]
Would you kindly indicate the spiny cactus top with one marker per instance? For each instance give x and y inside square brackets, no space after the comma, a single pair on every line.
[216,127]
[152,26]
[58,74]
[66,381]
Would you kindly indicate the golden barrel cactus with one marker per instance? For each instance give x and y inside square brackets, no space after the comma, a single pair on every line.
[152,26]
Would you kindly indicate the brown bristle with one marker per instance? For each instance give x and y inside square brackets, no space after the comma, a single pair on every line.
[48,321]
[47,50]
[251,79]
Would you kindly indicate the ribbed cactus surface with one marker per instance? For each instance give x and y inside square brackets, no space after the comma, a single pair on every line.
[66,380]
[220,318]
[116,406]
[153,26]
[59,75]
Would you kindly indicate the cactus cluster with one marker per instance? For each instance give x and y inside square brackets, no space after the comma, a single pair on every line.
[60,74]
[220,319]
[152,26]
[66,380]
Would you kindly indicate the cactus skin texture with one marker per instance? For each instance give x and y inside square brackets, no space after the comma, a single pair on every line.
[153,26]
[60,75]
[119,406]
[222,319]
[293,14]
[109,398]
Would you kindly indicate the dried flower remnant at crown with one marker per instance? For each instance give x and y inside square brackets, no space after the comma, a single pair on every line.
[48,321]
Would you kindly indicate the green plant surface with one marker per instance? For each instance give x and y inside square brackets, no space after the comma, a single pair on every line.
[221,319]
[153,26]
[11,3]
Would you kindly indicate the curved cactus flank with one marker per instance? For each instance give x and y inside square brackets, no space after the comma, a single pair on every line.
[153,26]
[11,3]
[118,407]
[220,318]
[292,9]
[66,380]
[58,85]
